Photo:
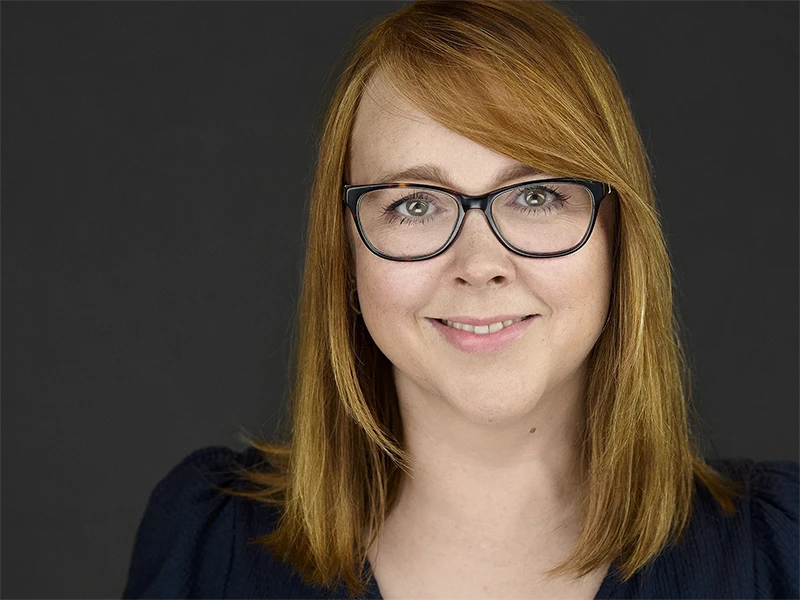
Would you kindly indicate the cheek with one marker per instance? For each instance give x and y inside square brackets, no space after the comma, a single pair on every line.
[390,290]
[580,292]
[391,300]
[582,304]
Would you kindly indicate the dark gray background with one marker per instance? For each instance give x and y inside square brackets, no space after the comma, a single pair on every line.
[157,161]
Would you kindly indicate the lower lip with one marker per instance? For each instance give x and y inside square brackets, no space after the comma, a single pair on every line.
[466,341]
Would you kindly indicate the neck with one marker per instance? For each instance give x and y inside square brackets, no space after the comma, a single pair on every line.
[501,478]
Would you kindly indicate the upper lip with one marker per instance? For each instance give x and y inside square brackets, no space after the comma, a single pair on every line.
[489,321]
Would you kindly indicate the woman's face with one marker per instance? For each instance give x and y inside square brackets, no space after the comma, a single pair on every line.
[545,357]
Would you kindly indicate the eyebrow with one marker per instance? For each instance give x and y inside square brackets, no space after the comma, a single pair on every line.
[433,174]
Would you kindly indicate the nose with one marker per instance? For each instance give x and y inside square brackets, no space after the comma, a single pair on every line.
[481,257]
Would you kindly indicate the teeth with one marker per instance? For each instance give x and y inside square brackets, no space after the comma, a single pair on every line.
[483,329]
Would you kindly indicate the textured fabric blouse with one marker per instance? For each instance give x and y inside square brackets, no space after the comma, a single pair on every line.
[193,541]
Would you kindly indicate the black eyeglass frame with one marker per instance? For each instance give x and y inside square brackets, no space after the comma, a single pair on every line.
[352,194]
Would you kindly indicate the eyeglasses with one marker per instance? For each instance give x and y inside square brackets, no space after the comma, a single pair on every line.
[538,219]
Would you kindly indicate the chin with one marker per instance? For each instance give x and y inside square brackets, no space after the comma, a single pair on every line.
[491,407]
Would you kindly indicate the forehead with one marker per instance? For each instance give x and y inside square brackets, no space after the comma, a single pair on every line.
[385,119]
[391,135]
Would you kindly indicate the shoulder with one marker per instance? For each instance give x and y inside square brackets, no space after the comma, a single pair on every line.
[184,544]
[208,467]
[769,504]
[751,553]
[201,469]
[770,508]
[190,488]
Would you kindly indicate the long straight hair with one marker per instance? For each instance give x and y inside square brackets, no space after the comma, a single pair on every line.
[520,79]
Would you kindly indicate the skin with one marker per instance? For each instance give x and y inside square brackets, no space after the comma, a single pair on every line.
[485,488]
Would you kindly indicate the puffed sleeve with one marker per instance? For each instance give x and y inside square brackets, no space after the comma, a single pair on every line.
[183,546]
[774,505]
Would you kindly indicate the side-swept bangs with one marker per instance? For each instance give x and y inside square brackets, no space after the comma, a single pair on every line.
[518,79]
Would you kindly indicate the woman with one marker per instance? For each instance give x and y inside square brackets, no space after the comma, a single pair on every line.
[488,403]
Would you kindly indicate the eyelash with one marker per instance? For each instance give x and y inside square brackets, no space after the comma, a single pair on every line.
[393,216]
[560,199]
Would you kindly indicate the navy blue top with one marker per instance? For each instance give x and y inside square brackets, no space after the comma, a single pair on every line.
[192,541]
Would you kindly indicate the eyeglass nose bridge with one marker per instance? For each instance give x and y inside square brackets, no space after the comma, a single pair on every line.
[470,202]
[482,204]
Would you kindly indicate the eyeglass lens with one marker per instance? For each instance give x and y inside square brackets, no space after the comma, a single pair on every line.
[409,222]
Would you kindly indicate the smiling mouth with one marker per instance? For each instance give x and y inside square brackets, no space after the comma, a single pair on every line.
[483,329]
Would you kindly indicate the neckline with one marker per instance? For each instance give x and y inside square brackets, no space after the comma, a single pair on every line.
[609,584]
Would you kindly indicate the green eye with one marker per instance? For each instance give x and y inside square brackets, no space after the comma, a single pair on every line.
[417,208]
[534,198]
